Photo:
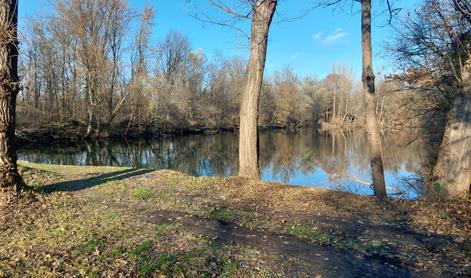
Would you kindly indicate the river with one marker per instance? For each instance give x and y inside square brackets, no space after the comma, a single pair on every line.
[334,160]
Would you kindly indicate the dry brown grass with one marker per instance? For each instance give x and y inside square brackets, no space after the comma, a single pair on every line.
[126,222]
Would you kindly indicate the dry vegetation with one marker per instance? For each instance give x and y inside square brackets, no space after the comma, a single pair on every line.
[79,83]
[91,221]
[85,221]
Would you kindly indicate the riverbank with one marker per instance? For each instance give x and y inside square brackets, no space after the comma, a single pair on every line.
[327,126]
[113,221]
[74,133]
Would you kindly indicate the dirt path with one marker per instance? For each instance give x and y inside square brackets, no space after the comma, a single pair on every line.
[323,260]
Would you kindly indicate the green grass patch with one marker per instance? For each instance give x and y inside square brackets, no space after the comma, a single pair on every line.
[375,246]
[144,193]
[113,215]
[146,268]
[166,229]
[309,233]
[93,244]
[165,196]
[227,214]
[230,268]
[143,247]
[114,186]
[223,214]
[116,251]
[344,244]
[323,237]
[165,264]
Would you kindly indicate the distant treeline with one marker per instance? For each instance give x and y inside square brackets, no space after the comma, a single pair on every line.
[93,71]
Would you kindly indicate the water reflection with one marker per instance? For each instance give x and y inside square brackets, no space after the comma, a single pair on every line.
[335,159]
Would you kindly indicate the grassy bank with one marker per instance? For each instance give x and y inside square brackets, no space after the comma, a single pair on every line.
[95,221]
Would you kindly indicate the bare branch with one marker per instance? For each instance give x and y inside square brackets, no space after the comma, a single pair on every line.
[226,9]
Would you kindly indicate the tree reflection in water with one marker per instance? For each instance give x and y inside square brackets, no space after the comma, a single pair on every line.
[336,159]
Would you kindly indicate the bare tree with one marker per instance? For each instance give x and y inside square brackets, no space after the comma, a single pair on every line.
[339,83]
[139,66]
[368,79]
[10,180]
[263,11]
[92,23]
[434,48]
[260,12]
[453,168]
[140,55]
[372,127]
[118,23]
[291,103]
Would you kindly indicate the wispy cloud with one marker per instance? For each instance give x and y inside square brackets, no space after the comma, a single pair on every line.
[330,39]
[317,36]
[294,56]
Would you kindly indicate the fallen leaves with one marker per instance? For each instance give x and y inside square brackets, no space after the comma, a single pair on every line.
[96,230]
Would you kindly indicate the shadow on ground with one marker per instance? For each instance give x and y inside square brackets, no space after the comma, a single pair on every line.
[80,184]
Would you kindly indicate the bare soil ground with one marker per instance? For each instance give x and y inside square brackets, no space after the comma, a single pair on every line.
[105,221]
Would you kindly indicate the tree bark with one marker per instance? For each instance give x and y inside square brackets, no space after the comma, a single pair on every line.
[452,172]
[263,11]
[335,100]
[372,127]
[10,180]
[92,129]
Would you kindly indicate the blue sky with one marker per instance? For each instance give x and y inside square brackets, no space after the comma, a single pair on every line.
[309,45]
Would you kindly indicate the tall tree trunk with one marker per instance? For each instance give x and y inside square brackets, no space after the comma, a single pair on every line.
[334,110]
[110,95]
[248,141]
[368,78]
[113,80]
[10,180]
[452,172]
[92,131]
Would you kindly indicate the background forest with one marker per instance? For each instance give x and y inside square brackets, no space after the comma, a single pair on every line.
[85,73]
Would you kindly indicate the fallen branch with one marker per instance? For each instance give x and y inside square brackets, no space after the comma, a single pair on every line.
[23,136]
[397,190]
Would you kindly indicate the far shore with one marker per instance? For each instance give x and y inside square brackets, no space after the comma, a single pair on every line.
[73,133]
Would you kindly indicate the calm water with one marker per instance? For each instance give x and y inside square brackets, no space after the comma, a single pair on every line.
[335,160]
